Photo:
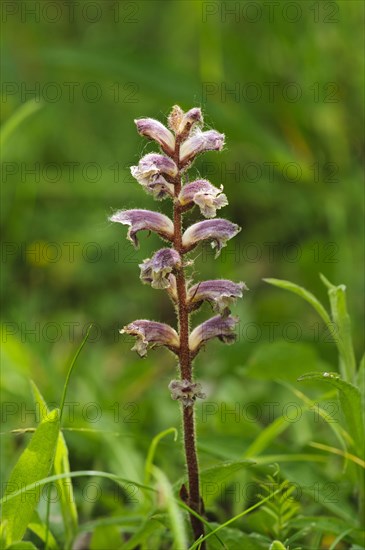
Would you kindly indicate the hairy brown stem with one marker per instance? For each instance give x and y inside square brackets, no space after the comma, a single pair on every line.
[193,498]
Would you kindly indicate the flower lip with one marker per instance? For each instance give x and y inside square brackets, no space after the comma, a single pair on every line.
[139,220]
[151,334]
[154,129]
[219,231]
[199,142]
[220,293]
[208,197]
[216,327]
[156,270]
[154,172]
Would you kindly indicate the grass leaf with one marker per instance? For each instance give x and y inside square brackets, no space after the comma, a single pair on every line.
[303,293]
[152,450]
[350,401]
[341,318]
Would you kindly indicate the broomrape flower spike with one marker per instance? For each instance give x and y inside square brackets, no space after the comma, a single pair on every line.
[163,175]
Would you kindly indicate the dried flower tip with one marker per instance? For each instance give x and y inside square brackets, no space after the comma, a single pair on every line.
[150,174]
[153,129]
[199,142]
[139,220]
[185,391]
[205,195]
[150,334]
[155,271]
[216,327]
[220,293]
[219,231]
[181,123]
[175,117]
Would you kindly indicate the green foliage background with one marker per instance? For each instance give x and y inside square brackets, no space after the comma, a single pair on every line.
[155,55]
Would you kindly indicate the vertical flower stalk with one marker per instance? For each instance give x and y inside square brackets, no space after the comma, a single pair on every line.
[163,176]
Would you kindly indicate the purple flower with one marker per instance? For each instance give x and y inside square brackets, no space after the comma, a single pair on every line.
[220,293]
[216,327]
[153,129]
[205,195]
[185,391]
[150,334]
[181,123]
[153,172]
[139,220]
[219,231]
[199,142]
[156,270]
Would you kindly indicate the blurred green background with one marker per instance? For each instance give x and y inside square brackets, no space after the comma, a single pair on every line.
[284,82]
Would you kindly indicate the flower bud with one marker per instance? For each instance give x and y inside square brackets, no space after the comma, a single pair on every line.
[181,123]
[139,220]
[199,142]
[220,293]
[216,327]
[219,231]
[156,270]
[150,174]
[153,129]
[205,195]
[151,334]
[185,391]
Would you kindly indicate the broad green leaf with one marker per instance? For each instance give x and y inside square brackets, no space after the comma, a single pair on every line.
[277,545]
[33,465]
[234,539]
[21,545]
[303,293]
[39,528]
[326,524]
[360,382]
[171,505]
[341,318]
[106,536]
[61,465]
[350,401]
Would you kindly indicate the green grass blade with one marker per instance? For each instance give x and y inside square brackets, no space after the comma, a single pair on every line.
[235,518]
[175,516]
[265,437]
[152,450]
[71,369]
[13,122]
[80,473]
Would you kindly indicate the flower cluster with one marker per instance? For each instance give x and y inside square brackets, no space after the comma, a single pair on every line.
[162,175]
